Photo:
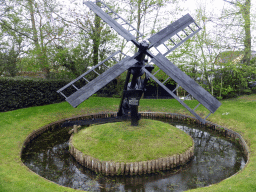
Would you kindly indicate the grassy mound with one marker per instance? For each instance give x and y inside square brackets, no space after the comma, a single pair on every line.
[121,142]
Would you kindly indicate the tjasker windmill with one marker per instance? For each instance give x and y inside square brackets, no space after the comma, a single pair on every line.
[168,39]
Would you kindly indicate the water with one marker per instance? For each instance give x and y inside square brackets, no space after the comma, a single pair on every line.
[216,158]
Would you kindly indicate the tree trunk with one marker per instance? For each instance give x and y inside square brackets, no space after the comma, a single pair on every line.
[96,37]
[220,85]
[41,54]
[138,22]
[246,13]
[32,17]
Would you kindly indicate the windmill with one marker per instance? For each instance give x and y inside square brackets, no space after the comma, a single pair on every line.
[162,43]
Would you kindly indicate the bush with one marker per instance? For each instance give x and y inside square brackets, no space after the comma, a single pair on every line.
[16,93]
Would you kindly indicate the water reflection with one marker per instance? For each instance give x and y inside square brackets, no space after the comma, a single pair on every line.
[215,159]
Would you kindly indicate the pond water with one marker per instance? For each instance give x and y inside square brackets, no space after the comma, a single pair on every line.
[215,159]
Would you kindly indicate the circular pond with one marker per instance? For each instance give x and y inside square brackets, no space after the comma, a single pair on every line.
[215,158]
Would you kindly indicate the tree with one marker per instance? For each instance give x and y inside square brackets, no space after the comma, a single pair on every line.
[32,20]
[44,32]
[72,58]
[242,12]
[12,39]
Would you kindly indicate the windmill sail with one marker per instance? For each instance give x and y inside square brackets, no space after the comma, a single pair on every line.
[183,80]
[171,30]
[171,92]
[105,16]
[97,83]
[177,33]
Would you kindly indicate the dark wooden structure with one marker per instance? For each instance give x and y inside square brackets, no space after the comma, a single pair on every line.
[142,63]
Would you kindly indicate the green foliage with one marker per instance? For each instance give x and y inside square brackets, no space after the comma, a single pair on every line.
[75,60]
[22,92]
[231,80]
[65,75]
[161,75]
[29,63]
[11,62]
[18,93]
[8,63]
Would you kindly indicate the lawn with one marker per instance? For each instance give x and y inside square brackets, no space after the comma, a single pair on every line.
[121,142]
[236,114]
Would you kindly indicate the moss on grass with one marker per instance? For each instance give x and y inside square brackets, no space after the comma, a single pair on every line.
[121,142]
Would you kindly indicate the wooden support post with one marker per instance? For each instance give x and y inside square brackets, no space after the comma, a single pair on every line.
[75,129]
[134,115]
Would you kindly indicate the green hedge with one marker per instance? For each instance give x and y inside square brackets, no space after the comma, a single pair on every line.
[16,93]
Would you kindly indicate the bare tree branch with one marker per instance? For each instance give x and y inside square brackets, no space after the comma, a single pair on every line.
[230,2]
[5,24]
[71,22]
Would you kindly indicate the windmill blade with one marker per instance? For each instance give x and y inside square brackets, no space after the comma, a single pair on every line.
[183,80]
[174,95]
[86,77]
[96,84]
[112,22]
[93,69]
[198,92]
[177,33]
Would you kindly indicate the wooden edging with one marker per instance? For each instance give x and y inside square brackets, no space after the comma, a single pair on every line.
[151,115]
[134,168]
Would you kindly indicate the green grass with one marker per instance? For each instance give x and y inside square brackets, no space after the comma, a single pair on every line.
[237,114]
[121,142]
